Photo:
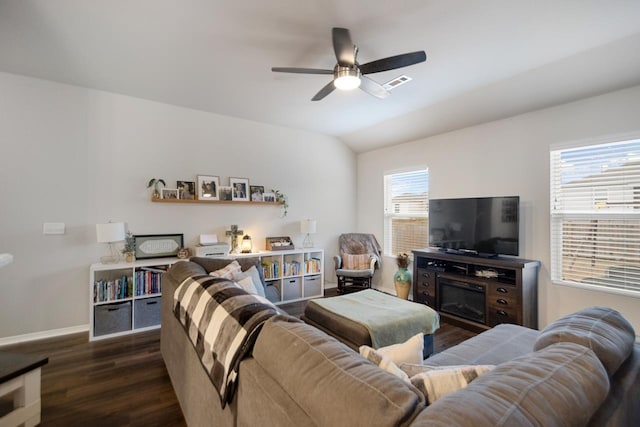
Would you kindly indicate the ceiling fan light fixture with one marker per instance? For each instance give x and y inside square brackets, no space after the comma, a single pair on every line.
[347,78]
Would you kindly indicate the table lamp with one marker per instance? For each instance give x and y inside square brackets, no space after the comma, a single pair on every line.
[308,226]
[110,233]
[246,244]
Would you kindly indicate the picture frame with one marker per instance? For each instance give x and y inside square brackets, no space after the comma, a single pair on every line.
[240,189]
[257,192]
[225,192]
[169,193]
[157,245]
[208,187]
[186,190]
[269,197]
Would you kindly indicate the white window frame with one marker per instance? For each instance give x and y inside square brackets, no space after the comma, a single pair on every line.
[557,216]
[390,208]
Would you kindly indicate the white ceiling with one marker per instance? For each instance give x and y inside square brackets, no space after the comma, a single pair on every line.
[485,59]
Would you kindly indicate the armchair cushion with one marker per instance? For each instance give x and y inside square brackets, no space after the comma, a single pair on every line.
[355,273]
[355,262]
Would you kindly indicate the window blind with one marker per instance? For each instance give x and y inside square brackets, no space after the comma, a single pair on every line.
[406,210]
[595,215]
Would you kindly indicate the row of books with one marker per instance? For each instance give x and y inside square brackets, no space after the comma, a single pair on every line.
[312,265]
[291,268]
[111,290]
[148,281]
[271,269]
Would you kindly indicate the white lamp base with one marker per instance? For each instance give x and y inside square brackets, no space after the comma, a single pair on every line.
[113,256]
[307,242]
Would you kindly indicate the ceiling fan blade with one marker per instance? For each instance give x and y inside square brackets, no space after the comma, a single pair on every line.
[343,47]
[373,88]
[393,62]
[324,91]
[301,70]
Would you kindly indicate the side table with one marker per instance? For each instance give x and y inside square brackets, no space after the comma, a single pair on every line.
[20,374]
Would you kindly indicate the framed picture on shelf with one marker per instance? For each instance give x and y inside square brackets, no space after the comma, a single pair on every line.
[269,197]
[158,245]
[208,187]
[256,193]
[240,187]
[225,193]
[186,190]
[169,193]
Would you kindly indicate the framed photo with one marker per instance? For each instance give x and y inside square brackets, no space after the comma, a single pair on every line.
[158,245]
[225,192]
[169,193]
[269,197]
[208,187]
[256,193]
[240,188]
[186,190]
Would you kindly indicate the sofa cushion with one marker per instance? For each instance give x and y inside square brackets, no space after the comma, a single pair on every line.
[329,381]
[213,264]
[497,345]
[179,271]
[602,329]
[561,385]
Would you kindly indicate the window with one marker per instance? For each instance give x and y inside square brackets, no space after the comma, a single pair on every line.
[595,216]
[406,207]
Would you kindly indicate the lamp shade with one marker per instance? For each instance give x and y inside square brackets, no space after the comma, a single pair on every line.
[308,226]
[110,232]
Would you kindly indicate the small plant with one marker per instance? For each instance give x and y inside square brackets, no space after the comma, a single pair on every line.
[402,260]
[129,243]
[283,200]
[155,183]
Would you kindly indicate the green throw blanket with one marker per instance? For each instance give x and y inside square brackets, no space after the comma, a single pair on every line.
[388,319]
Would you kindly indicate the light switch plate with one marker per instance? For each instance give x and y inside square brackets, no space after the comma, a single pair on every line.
[53,228]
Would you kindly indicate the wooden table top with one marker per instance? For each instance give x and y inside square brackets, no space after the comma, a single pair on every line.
[13,365]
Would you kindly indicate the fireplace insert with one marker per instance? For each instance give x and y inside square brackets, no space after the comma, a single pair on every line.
[462,299]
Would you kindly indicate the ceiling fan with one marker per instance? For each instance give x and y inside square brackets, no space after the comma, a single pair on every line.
[348,74]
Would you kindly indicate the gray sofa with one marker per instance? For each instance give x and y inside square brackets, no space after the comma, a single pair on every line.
[299,376]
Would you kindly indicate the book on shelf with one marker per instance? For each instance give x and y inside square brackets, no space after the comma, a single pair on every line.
[112,290]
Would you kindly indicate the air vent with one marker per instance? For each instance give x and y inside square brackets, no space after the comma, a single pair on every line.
[398,81]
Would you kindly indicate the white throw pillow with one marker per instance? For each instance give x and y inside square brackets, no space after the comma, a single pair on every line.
[382,361]
[409,351]
[255,277]
[247,285]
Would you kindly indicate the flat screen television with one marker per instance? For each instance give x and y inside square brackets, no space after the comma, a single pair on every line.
[485,226]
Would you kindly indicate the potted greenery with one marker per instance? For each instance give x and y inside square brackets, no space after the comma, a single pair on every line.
[155,183]
[283,200]
[402,278]
[129,249]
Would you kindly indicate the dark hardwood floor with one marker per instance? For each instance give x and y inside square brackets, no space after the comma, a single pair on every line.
[123,381]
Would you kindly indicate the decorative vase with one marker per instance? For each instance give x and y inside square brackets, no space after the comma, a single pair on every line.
[129,257]
[402,282]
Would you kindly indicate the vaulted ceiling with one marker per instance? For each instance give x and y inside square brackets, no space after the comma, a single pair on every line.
[485,59]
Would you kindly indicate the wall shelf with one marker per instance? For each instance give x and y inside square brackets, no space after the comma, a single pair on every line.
[222,202]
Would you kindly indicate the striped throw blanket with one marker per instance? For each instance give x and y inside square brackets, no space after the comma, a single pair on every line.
[222,321]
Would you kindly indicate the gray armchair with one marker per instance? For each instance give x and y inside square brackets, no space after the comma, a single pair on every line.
[360,257]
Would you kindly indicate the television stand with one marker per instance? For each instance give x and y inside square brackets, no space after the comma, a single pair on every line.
[477,292]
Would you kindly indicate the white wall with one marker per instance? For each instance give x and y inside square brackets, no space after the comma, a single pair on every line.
[506,157]
[82,157]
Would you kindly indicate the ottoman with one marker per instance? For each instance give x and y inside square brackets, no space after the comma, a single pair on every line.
[372,318]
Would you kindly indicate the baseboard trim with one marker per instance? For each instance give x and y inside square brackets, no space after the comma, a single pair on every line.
[43,335]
